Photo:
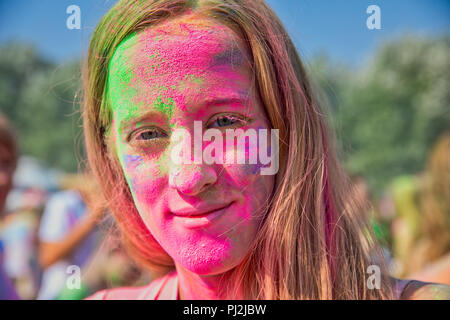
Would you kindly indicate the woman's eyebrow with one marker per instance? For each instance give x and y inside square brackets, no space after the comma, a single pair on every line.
[241,100]
[151,115]
[133,121]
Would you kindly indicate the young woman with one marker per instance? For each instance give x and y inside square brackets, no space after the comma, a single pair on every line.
[221,229]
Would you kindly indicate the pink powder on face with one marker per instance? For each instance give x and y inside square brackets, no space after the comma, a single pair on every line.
[189,61]
[177,57]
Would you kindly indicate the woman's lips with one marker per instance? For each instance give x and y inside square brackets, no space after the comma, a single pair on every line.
[200,209]
[199,218]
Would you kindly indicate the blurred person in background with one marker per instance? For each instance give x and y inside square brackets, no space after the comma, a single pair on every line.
[363,196]
[68,234]
[8,161]
[421,230]
[434,245]
[76,231]
[110,267]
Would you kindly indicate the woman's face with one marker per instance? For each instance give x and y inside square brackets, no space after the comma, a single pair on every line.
[204,215]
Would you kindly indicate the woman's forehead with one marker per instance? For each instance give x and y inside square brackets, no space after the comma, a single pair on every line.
[175,58]
[187,43]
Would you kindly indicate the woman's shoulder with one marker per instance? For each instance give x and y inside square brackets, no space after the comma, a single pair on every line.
[163,288]
[418,290]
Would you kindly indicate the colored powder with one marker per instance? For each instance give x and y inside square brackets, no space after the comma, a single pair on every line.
[166,108]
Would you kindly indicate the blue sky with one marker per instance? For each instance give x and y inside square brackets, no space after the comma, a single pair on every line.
[336,27]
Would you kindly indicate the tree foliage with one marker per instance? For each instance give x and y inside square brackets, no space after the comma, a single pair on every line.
[39,98]
[389,112]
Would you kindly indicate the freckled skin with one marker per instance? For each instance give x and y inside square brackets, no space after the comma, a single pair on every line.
[166,77]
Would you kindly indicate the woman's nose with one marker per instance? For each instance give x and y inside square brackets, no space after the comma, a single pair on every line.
[192,179]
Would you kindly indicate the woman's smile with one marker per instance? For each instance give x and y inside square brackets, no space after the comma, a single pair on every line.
[201,217]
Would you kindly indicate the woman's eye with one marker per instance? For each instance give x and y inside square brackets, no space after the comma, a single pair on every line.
[149,134]
[226,121]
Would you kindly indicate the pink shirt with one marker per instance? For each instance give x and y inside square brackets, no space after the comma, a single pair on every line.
[164,288]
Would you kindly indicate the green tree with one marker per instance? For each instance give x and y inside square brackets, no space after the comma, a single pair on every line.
[389,112]
[39,98]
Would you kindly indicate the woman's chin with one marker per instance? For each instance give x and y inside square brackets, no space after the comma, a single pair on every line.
[207,265]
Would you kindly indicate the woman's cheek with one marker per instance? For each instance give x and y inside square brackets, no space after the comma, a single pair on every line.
[241,172]
[255,188]
[145,178]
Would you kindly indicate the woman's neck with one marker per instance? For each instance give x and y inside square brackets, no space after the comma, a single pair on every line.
[193,286]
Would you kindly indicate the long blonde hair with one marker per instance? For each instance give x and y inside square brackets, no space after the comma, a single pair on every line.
[313,243]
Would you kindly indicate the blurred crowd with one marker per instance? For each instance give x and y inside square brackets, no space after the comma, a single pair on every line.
[51,234]
[412,218]
[57,241]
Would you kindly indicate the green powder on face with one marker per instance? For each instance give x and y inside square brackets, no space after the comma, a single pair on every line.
[120,81]
[193,78]
[163,167]
[155,55]
[165,107]
[118,66]
[162,88]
